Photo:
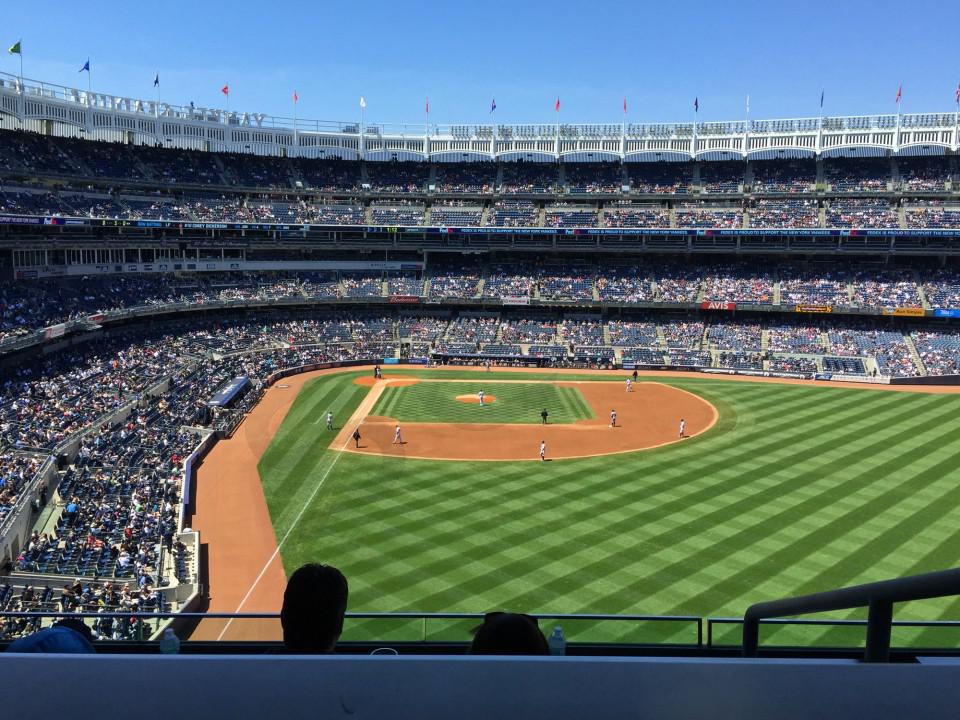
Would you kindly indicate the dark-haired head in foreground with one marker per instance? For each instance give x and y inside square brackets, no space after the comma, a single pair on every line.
[313,607]
[509,634]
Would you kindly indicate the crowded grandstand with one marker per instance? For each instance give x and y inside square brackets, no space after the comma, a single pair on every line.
[154,286]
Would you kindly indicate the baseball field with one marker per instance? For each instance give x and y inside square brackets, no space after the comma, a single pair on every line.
[780,489]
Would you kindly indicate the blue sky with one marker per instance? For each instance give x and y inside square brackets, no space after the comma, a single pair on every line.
[523,53]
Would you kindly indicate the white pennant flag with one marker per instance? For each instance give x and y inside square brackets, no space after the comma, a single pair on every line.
[363,103]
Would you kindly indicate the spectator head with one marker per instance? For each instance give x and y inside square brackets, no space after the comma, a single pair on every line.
[509,634]
[313,607]
[67,636]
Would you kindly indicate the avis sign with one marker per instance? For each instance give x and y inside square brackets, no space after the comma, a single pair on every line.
[718,305]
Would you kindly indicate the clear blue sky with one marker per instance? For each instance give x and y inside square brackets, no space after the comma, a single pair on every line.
[524,53]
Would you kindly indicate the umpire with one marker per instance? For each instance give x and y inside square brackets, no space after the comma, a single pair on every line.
[544,415]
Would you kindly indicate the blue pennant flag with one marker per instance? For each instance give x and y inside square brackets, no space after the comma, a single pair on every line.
[156,80]
[86,66]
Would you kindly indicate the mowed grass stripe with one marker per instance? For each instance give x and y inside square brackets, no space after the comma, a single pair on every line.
[586,489]
[773,523]
[433,536]
[679,534]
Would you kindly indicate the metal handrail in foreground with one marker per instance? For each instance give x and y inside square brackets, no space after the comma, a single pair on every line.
[878,597]
[424,617]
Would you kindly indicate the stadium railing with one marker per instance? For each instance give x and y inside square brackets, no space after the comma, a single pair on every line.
[587,634]
[878,597]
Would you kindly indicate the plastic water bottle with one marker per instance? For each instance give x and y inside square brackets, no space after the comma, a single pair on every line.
[169,642]
[557,642]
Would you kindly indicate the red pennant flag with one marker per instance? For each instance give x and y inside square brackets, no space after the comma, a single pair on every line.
[624,104]
[296,98]
[958,93]
[899,92]
[556,107]
[428,106]
[225,89]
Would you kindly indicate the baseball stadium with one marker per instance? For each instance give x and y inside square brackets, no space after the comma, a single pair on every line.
[671,388]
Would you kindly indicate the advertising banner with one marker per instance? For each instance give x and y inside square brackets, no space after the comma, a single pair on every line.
[947,312]
[515,300]
[404,299]
[813,308]
[54,331]
[908,312]
[718,305]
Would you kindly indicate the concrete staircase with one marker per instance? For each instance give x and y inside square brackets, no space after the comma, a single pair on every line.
[661,338]
[915,356]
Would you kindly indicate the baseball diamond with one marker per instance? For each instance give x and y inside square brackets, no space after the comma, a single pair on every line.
[789,491]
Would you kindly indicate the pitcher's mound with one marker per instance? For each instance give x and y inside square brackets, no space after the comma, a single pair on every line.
[487,399]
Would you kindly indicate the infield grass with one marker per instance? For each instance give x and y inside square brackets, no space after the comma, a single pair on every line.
[514,403]
[797,489]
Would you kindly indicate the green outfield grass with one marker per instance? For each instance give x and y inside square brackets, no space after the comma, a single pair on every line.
[515,403]
[796,489]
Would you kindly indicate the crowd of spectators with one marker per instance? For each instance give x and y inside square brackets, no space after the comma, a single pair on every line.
[784,176]
[792,213]
[590,178]
[734,283]
[562,218]
[630,333]
[455,279]
[797,339]
[17,471]
[624,284]
[721,177]
[924,174]
[939,351]
[937,216]
[628,215]
[727,335]
[519,178]
[567,283]
[792,364]
[885,288]
[514,213]
[661,178]
[398,177]
[814,286]
[861,213]
[857,174]
[509,280]
[942,288]
[468,178]
[695,217]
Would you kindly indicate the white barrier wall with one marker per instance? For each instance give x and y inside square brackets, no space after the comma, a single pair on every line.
[419,687]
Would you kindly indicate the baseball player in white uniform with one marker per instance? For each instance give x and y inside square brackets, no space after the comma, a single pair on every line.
[683,427]
[329,420]
[543,449]
[480,395]
[629,385]
[397,438]
[613,418]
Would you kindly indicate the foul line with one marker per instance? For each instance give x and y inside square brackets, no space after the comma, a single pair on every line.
[300,514]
